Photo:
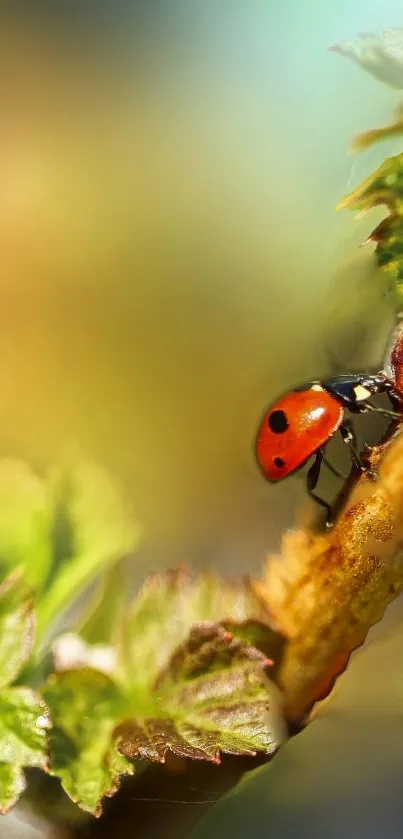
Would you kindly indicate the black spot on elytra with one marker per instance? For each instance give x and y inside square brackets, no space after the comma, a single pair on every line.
[278,462]
[278,422]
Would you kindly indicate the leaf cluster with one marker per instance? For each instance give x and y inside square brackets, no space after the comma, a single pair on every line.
[180,668]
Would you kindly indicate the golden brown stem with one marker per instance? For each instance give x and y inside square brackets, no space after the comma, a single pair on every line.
[326,590]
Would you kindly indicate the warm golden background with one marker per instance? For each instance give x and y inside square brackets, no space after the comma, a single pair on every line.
[171,260]
[171,256]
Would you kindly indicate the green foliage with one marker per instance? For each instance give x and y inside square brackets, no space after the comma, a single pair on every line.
[181,684]
[181,669]
[382,56]
[101,531]
[61,531]
[23,714]
[85,706]
[58,562]
[375,135]
[25,523]
[384,188]
[164,611]
[210,698]
[102,614]
[16,627]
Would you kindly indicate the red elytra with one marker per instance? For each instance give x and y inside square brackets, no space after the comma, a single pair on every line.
[294,429]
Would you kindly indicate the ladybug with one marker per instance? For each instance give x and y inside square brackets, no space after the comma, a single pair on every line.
[303,421]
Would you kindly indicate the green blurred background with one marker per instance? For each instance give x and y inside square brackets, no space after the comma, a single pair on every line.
[171,255]
[171,262]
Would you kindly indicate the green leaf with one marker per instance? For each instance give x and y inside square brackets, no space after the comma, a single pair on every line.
[25,522]
[211,698]
[166,608]
[24,716]
[102,531]
[12,785]
[312,790]
[376,135]
[24,721]
[380,55]
[198,689]
[384,188]
[85,706]
[16,628]
[180,685]
[105,611]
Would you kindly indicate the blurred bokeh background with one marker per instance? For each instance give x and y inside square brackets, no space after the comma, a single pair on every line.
[171,258]
[171,255]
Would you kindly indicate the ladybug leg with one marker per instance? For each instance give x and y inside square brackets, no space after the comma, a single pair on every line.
[333,469]
[349,438]
[382,411]
[311,482]
[395,395]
